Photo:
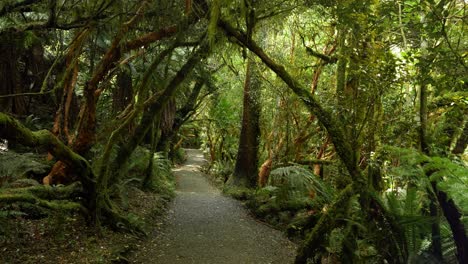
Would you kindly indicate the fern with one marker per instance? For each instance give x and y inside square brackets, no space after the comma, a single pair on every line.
[406,208]
[162,180]
[408,170]
[120,190]
[451,178]
[448,245]
[295,182]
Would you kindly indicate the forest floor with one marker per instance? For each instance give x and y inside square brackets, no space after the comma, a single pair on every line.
[203,226]
[67,239]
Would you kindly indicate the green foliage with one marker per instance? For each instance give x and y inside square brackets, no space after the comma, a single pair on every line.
[414,168]
[407,209]
[296,182]
[222,169]
[179,156]
[292,195]
[448,246]
[14,166]
[161,182]
[451,177]
[407,168]
[335,241]
[240,193]
[138,161]
[163,179]
[5,215]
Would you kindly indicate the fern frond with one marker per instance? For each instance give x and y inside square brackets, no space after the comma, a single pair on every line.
[296,182]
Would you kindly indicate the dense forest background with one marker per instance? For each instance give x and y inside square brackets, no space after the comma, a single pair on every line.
[343,122]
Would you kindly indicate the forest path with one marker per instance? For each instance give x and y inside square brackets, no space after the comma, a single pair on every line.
[205,227]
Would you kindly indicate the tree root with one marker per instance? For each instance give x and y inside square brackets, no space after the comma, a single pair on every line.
[37,198]
[12,129]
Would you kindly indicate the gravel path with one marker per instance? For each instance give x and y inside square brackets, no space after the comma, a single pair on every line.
[205,227]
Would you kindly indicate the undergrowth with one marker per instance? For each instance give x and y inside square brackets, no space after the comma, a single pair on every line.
[291,200]
[57,236]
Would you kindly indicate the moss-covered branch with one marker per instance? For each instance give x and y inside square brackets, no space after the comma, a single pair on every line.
[12,129]
[29,198]
[48,192]
[156,106]
[48,197]
[326,222]
[342,145]
[338,137]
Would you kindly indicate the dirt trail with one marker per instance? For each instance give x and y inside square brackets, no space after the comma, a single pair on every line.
[207,228]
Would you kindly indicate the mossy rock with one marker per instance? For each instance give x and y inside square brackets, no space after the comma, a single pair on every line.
[240,193]
[22,183]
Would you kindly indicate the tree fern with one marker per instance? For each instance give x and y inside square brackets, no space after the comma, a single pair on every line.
[451,178]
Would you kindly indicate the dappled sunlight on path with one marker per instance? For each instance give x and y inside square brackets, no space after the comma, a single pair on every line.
[204,227]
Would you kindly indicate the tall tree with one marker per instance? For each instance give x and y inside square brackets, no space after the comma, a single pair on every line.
[246,167]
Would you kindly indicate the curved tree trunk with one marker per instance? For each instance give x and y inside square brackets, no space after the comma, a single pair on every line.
[343,149]
[13,130]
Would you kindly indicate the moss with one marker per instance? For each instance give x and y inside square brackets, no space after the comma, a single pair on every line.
[268,209]
[240,193]
[28,198]
[12,129]
[325,223]
[302,223]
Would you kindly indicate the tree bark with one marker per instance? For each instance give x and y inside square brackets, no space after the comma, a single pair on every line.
[10,81]
[246,167]
[462,141]
[13,130]
[166,142]
[123,93]
[342,146]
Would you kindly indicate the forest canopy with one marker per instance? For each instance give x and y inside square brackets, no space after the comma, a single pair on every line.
[343,122]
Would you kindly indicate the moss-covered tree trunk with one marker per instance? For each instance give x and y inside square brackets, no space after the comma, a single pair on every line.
[123,93]
[462,141]
[13,130]
[156,106]
[85,134]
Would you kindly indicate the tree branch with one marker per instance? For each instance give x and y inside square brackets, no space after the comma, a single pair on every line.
[12,6]
[327,59]
[12,129]
[342,145]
